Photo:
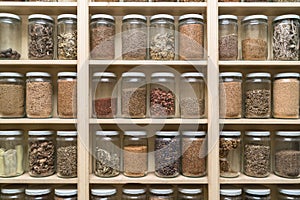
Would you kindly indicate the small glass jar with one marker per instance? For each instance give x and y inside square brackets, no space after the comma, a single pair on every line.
[102,42]
[10,36]
[189,192]
[107,153]
[162,95]
[287,154]
[257,192]
[39,93]
[104,98]
[134,37]
[12,98]
[257,153]
[231,193]
[66,163]
[12,192]
[231,96]
[286,31]
[288,193]
[67,37]
[134,95]
[65,194]
[167,154]
[135,154]
[41,153]
[230,154]
[104,192]
[192,95]
[191,37]
[257,0]
[38,194]
[43,0]
[165,192]
[255,37]
[40,37]
[228,37]
[286,89]
[134,192]
[162,37]
[257,97]
[229,0]
[11,153]
[194,152]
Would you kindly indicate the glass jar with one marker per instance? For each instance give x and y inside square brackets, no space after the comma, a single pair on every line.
[231,193]
[104,98]
[12,95]
[67,37]
[67,95]
[194,152]
[66,163]
[189,192]
[228,37]
[192,95]
[65,194]
[39,95]
[107,153]
[285,0]
[40,37]
[288,193]
[134,37]
[41,153]
[257,97]
[165,192]
[135,155]
[38,194]
[287,154]
[162,37]
[191,37]
[11,153]
[230,154]
[255,37]
[257,0]
[229,0]
[167,154]
[44,0]
[66,0]
[231,98]
[162,95]
[104,192]
[10,36]
[134,192]
[134,95]
[102,42]
[10,192]
[286,95]
[257,192]
[257,153]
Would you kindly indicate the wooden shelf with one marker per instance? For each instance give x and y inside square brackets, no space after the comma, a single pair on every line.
[260,121]
[38,63]
[146,62]
[148,121]
[26,179]
[38,121]
[243,63]
[272,179]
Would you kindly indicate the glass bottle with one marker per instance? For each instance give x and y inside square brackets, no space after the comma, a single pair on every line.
[135,155]
[288,193]
[230,193]
[10,36]
[107,153]
[12,192]
[162,37]
[228,37]
[255,37]
[190,192]
[257,97]
[257,192]
[11,153]
[165,192]
[104,192]
[257,153]
[12,98]
[134,95]
[287,154]
[65,194]
[134,192]
[38,194]
[192,95]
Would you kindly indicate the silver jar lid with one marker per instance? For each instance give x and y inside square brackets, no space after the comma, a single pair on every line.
[69,74]
[287,75]
[288,133]
[40,16]
[161,190]
[258,191]
[289,16]
[135,16]
[65,192]
[11,133]
[162,74]
[66,16]
[290,191]
[167,133]
[134,189]
[251,17]
[11,74]
[104,74]
[37,192]
[105,191]
[259,75]
[12,189]
[9,15]
[231,74]
[193,133]
[107,133]
[189,16]
[67,133]
[133,74]
[258,133]
[192,74]
[233,17]
[189,190]
[230,133]
[162,16]
[102,16]
[135,133]
[231,192]
[40,133]
[37,74]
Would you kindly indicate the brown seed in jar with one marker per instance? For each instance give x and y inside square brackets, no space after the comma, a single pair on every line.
[230,99]
[67,98]
[12,100]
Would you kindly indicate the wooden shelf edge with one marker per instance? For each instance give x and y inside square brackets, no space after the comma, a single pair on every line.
[38,121]
[38,62]
[39,4]
[147,62]
[148,121]
[26,179]
[258,4]
[148,4]
[272,179]
[259,63]
[260,121]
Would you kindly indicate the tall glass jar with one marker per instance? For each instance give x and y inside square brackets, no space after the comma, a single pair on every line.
[12,192]
[231,96]
[41,153]
[65,194]
[162,95]
[257,97]
[286,33]
[102,41]
[257,153]
[134,192]
[231,193]
[167,154]
[38,194]
[165,192]
[286,89]
[194,152]
[12,95]
[287,154]
[189,192]
[230,154]
[257,192]
[228,37]
[39,93]
[134,95]
[288,193]
[162,37]
[66,163]
[107,153]
[135,155]
[40,37]
[104,98]
[134,37]
[67,37]
[255,37]
[104,192]
[10,36]
[191,37]
[192,95]
[11,153]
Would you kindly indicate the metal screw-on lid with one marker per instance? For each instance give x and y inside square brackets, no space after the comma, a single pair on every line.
[66,16]
[65,192]
[258,191]
[228,17]
[264,17]
[9,15]
[40,133]
[162,74]
[12,189]
[37,192]
[167,133]
[192,74]
[188,16]
[290,191]
[288,133]
[11,133]
[289,16]
[161,190]
[66,133]
[189,190]
[107,133]
[70,74]
[287,75]
[104,74]
[11,74]
[103,16]
[133,74]
[134,16]
[135,133]
[231,192]
[230,133]
[259,75]
[105,191]
[134,189]
[38,74]
[162,16]
[193,133]
[40,16]
[230,74]
[257,133]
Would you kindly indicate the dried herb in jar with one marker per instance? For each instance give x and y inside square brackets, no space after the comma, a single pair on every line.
[254,49]
[67,46]
[67,161]
[162,103]
[162,47]
[107,163]
[287,163]
[134,102]
[258,103]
